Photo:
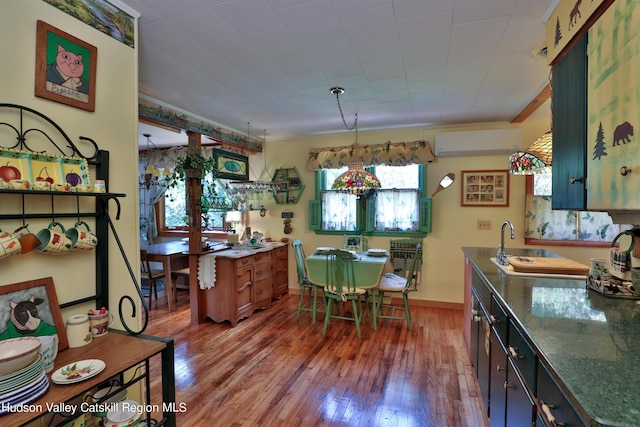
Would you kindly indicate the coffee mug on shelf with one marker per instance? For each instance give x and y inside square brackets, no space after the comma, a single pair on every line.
[54,242]
[81,240]
[41,185]
[78,333]
[9,244]
[99,323]
[27,239]
[18,184]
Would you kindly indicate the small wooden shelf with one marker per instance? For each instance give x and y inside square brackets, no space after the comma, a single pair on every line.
[290,186]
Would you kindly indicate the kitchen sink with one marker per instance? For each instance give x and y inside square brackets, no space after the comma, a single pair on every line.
[508,269]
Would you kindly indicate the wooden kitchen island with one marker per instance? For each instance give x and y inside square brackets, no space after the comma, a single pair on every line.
[246,281]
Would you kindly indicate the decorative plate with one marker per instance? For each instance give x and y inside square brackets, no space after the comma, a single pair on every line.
[78,371]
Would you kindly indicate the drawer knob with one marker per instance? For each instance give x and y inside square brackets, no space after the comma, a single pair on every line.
[513,352]
[500,369]
[624,170]
[546,408]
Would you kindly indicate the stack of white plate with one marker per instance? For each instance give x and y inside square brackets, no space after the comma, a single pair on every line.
[377,252]
[24,386]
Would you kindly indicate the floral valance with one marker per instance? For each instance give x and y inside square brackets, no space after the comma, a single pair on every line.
[389,153]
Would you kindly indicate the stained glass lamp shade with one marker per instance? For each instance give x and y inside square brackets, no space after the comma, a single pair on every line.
[535,159]
[356,180]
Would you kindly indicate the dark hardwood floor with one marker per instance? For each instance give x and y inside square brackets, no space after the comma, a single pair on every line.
[272,369]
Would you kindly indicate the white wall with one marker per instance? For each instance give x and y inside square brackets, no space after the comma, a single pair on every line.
[113,126]
[453,226]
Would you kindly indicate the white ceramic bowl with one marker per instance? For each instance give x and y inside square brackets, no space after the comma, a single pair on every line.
[17,353]
[123,414]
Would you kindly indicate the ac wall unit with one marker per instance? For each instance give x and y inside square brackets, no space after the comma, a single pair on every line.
[478,142]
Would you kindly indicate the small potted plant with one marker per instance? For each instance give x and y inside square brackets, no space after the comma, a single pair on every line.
[194,166]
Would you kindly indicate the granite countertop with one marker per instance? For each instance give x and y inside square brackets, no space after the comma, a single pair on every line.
[591,342]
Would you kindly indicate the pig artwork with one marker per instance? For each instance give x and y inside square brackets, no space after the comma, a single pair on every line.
[67,71]
[623,132]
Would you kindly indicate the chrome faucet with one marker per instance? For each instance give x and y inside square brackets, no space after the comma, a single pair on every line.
[501,255]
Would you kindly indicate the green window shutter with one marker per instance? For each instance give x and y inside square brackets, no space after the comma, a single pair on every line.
[425,215]
[370,215]
[315,214]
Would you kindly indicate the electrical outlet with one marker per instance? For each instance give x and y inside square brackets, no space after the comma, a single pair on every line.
[484,224]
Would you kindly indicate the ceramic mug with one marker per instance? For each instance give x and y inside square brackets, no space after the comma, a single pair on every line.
[41,186]
[81,240]
[18,184]
[99,414]
[9,244]
[27,239]
[77,329]
[48,351]
[83,187]
[54,242]
[99,323]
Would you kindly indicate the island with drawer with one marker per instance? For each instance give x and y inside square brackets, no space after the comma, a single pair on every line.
[548,351]
[246,280]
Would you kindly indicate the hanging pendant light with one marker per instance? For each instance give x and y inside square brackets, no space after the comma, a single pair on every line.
[355,180]
[535,159]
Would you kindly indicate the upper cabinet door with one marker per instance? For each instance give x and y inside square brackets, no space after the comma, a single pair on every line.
[569,126]
[613,146]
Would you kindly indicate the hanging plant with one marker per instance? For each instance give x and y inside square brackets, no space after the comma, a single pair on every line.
[191,166]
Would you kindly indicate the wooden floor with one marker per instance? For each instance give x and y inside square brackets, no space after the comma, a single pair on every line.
[272,369]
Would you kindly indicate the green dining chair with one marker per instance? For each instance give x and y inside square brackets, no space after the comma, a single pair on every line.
[341,287]
[306,286]
[394,284]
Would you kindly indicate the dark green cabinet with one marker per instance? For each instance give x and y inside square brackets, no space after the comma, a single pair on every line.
[569,126]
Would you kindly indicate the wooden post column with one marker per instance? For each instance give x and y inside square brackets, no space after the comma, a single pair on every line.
[194,192]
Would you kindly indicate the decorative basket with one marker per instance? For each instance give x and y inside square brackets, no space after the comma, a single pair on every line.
[612,287]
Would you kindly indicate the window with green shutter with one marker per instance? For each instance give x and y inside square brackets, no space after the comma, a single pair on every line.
[398,209]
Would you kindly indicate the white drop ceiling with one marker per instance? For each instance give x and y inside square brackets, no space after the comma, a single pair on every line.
[403,63]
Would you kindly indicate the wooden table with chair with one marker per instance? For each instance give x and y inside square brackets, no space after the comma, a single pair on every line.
[173,255]
[345,277]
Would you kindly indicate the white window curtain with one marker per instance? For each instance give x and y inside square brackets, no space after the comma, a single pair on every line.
[397,210]
[159,159]
[338,211]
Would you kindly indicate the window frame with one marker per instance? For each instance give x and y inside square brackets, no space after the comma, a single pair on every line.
[365,213]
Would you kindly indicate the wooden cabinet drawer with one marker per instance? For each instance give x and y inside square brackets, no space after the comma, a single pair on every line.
[245,261]
[262,270]
[262,257]
[523,357]
[280,252]
[499,320]
[262,293]
[552,400]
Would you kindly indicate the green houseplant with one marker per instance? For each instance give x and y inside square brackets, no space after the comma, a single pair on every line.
[191,166]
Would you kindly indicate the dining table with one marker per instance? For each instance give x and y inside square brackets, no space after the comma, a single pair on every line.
[367,270]
[173,255]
